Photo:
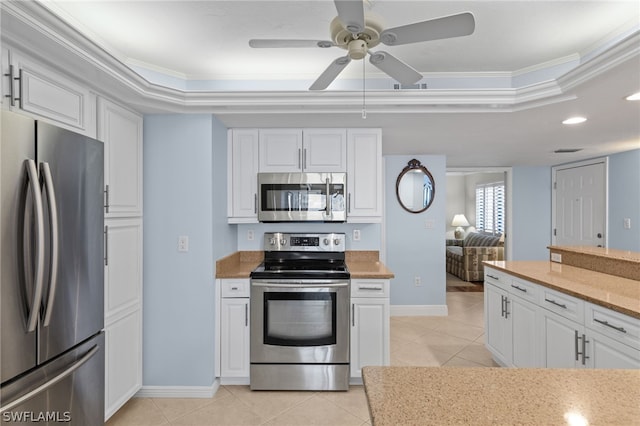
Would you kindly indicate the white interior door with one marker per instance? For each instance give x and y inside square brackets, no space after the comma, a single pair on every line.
[580,204]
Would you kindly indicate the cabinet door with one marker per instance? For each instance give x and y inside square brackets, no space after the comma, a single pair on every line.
[234,338]
[526,342]
[498,328]
[364,175]
[562,343]
[324,150]
[242,194]
[605,352]
[123,265]
[44,93]
[280,150]
[369,333]
[121,132]
[123,360]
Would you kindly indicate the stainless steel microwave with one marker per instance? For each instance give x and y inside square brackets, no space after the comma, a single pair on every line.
[302,197]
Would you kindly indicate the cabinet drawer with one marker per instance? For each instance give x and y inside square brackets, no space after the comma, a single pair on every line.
[524,289]
[235,288]
[369,288]
[620,327]
[563,304]
[497,278]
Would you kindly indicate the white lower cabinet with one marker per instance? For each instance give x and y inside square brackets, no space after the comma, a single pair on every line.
[123,311]
[369,324]
[234,329]
[529,325]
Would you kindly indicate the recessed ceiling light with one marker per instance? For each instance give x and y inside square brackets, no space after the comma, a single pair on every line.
[634,97]
[574,120]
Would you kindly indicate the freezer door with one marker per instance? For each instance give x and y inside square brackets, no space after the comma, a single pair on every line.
[75,310]
[18,348]
[68,390]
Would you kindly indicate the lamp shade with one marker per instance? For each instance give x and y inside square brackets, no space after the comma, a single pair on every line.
[459,220]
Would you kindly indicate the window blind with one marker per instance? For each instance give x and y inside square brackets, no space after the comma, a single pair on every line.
[490,208]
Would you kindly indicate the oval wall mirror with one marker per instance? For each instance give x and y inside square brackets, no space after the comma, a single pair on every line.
[415,187]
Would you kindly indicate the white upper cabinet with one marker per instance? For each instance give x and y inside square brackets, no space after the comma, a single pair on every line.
[43,93]
[280,150]
[324,150]
[364,175]
[303,150]
[242,186]
[121,132]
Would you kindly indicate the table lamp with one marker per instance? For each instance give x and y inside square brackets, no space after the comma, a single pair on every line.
[459,220]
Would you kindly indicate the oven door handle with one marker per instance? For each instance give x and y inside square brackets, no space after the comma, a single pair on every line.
[300,284]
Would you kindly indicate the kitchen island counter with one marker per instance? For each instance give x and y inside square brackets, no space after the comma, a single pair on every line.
[616,293]
[489,396]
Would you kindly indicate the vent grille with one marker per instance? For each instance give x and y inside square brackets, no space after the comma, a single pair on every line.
[421,86]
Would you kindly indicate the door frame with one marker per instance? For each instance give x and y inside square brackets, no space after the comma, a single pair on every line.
[508,185]
[592,161]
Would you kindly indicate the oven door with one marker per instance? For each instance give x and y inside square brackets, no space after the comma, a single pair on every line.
[300,321]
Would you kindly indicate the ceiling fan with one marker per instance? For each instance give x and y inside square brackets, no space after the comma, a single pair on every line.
[358,32]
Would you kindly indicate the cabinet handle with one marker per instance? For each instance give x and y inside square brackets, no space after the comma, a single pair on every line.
[106,198]
[234,288]
[246,314]
[106,245]
[304,158]
[20,80]
[349,203]
[370,287]
[11,91]
[553,302]
[502,306]
[519,288]
[299,158]
[353,315]
[576,345]
[584,349]
[606,323]
[495,278]
[255,203]
[506,307]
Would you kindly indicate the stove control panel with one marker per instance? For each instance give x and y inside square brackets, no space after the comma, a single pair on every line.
[279,241]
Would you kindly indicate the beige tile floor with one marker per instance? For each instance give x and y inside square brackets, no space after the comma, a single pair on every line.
[453,341]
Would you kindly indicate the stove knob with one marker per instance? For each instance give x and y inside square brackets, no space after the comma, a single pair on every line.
[336,242]
[283,242]
[272,241]
[326,241]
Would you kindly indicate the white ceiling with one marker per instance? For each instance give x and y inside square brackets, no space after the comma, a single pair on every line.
[208,41]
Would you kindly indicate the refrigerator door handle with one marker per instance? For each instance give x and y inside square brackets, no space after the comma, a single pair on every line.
[38,274]
[53,229]
[43,387]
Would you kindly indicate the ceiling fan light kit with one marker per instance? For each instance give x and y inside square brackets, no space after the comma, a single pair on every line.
[358,32]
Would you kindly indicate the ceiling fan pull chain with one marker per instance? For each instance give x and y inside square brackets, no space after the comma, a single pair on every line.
[364,107]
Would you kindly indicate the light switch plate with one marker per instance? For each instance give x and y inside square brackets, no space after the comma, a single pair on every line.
[183,243]
[356,235]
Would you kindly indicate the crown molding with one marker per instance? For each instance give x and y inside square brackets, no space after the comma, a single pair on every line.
[34,29]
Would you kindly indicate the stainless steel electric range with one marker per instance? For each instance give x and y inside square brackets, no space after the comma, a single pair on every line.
[300,314]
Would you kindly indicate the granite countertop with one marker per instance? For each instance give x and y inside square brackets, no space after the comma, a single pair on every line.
[616,293]
[607,253]
[361,264]
[500,396]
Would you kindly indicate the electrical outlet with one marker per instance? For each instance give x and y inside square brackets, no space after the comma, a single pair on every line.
[556,257]
[356,235]
[183,243]
[417,281]
[250,235]
[627,223]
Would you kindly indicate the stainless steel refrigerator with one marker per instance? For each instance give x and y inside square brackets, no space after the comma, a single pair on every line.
[51,263]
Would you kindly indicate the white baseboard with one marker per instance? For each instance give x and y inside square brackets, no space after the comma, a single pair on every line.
[178,391]
[419,310]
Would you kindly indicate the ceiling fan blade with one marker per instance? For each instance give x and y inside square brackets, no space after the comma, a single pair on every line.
[351,13]
[267,43]
[458,25]
[395,68]
[330,74]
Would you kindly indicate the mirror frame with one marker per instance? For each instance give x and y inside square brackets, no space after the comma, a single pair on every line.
[415,165]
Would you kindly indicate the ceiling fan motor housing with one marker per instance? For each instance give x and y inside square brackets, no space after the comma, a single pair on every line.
[357,44]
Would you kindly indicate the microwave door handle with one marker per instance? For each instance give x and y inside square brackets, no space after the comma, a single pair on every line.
[328,198]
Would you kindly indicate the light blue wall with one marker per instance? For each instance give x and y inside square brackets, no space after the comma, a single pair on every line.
[179,176]
[224,235]
[624,200]
[531,213]
[412,249]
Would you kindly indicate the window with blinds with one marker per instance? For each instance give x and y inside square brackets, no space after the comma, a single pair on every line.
[490,208]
